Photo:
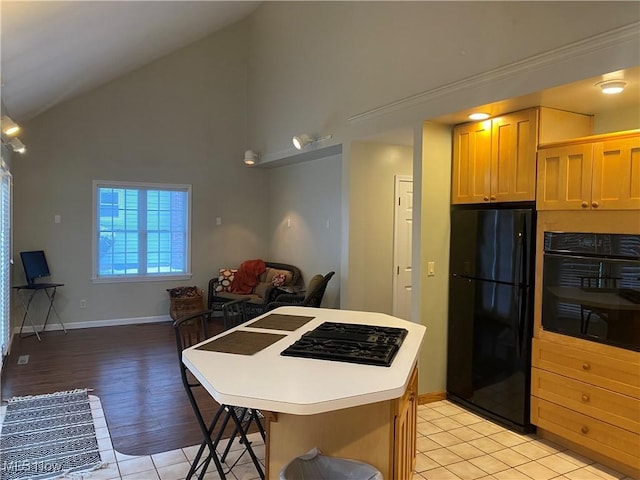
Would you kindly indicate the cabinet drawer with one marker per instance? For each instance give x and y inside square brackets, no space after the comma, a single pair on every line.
[615,374]
[620,410]
[616,443]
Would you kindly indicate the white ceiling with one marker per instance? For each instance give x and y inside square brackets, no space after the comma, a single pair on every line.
[53,51]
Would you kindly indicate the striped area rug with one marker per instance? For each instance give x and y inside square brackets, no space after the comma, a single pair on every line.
[48,436]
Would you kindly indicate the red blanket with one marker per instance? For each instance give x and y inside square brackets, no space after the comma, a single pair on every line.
[246,277]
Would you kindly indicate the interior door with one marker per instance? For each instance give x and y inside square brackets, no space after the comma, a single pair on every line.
[402,247]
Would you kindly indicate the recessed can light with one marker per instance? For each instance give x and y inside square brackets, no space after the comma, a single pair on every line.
[611,88]
[479,116]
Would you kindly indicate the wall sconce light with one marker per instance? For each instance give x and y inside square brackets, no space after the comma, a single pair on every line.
[17,146]
[612,87]
[302,140]
[9,127]
[250,157]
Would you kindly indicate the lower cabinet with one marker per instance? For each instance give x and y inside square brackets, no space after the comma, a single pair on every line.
[382,434]
[405,433]
[590,396]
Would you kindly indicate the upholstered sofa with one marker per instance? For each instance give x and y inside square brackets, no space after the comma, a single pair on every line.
[276,275]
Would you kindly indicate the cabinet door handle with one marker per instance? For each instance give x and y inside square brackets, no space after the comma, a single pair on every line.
[584,205]
[486,199]
[584,429]
[586,366]
[595,204]
[585,397]
[493,197]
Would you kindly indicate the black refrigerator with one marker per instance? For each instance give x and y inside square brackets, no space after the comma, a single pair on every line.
[491,311]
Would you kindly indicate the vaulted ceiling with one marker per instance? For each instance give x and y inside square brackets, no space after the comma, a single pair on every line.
[55,50]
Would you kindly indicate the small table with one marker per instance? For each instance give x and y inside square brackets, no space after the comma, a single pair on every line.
[50,290]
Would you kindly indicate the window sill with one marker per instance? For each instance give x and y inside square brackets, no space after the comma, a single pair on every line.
[141,278]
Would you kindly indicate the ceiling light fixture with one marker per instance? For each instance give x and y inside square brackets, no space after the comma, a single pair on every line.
[302,140]
[612,87]
[250,157]
[17,146]
[479,116]
[9,127]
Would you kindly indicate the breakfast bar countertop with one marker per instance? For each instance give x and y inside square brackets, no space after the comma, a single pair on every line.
[303,386]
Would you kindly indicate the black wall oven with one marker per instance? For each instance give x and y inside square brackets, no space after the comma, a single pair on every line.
[591,287]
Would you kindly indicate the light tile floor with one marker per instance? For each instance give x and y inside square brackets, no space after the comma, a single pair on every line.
[452,444]
[456,444]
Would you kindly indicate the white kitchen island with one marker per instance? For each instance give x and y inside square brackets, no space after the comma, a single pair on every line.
[362,412]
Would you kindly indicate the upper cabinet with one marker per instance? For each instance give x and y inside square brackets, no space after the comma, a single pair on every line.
[495,160]
[599,172]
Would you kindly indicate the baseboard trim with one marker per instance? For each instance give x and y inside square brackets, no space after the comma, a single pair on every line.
[431,397]
[52,326]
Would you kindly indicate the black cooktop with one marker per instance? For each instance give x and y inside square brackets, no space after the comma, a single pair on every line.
[346,342]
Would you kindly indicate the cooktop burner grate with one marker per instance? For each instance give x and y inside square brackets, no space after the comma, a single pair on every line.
[345,342]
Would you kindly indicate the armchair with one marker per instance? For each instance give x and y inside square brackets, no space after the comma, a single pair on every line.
[312,298]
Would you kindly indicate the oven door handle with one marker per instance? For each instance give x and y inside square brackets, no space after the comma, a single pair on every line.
[598,258]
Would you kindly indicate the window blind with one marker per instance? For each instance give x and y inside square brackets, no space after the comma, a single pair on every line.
[5,260]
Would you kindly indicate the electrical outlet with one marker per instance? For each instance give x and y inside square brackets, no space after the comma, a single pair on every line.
[23,359]
[83,304]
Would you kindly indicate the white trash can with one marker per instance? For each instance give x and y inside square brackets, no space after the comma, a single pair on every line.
[314,466]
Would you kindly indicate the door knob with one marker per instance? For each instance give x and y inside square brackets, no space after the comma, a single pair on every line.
[486,199]
[585,397]
[493,197]
[584,429]
[586,366]
[595,204]
[584,205]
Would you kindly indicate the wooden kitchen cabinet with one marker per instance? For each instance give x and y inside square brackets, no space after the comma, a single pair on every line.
[589,395]
[495,160]
[471,181]
[578,383]
[405,430]
[382,434]
[600,172]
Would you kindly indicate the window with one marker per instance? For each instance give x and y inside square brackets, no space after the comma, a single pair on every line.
[5,259]
[141,231]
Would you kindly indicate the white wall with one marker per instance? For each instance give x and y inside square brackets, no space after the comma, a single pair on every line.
[616,120]
[313,65]
[371,210]
[434,247]
[180,119]
[305,220]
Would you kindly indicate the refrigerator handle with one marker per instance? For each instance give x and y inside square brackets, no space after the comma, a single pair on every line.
[521,322]
[521,258]
[520,252]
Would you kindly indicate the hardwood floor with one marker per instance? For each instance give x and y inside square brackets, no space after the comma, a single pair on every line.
[134,371]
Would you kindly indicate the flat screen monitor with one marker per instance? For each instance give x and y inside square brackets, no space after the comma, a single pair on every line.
[35,265]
